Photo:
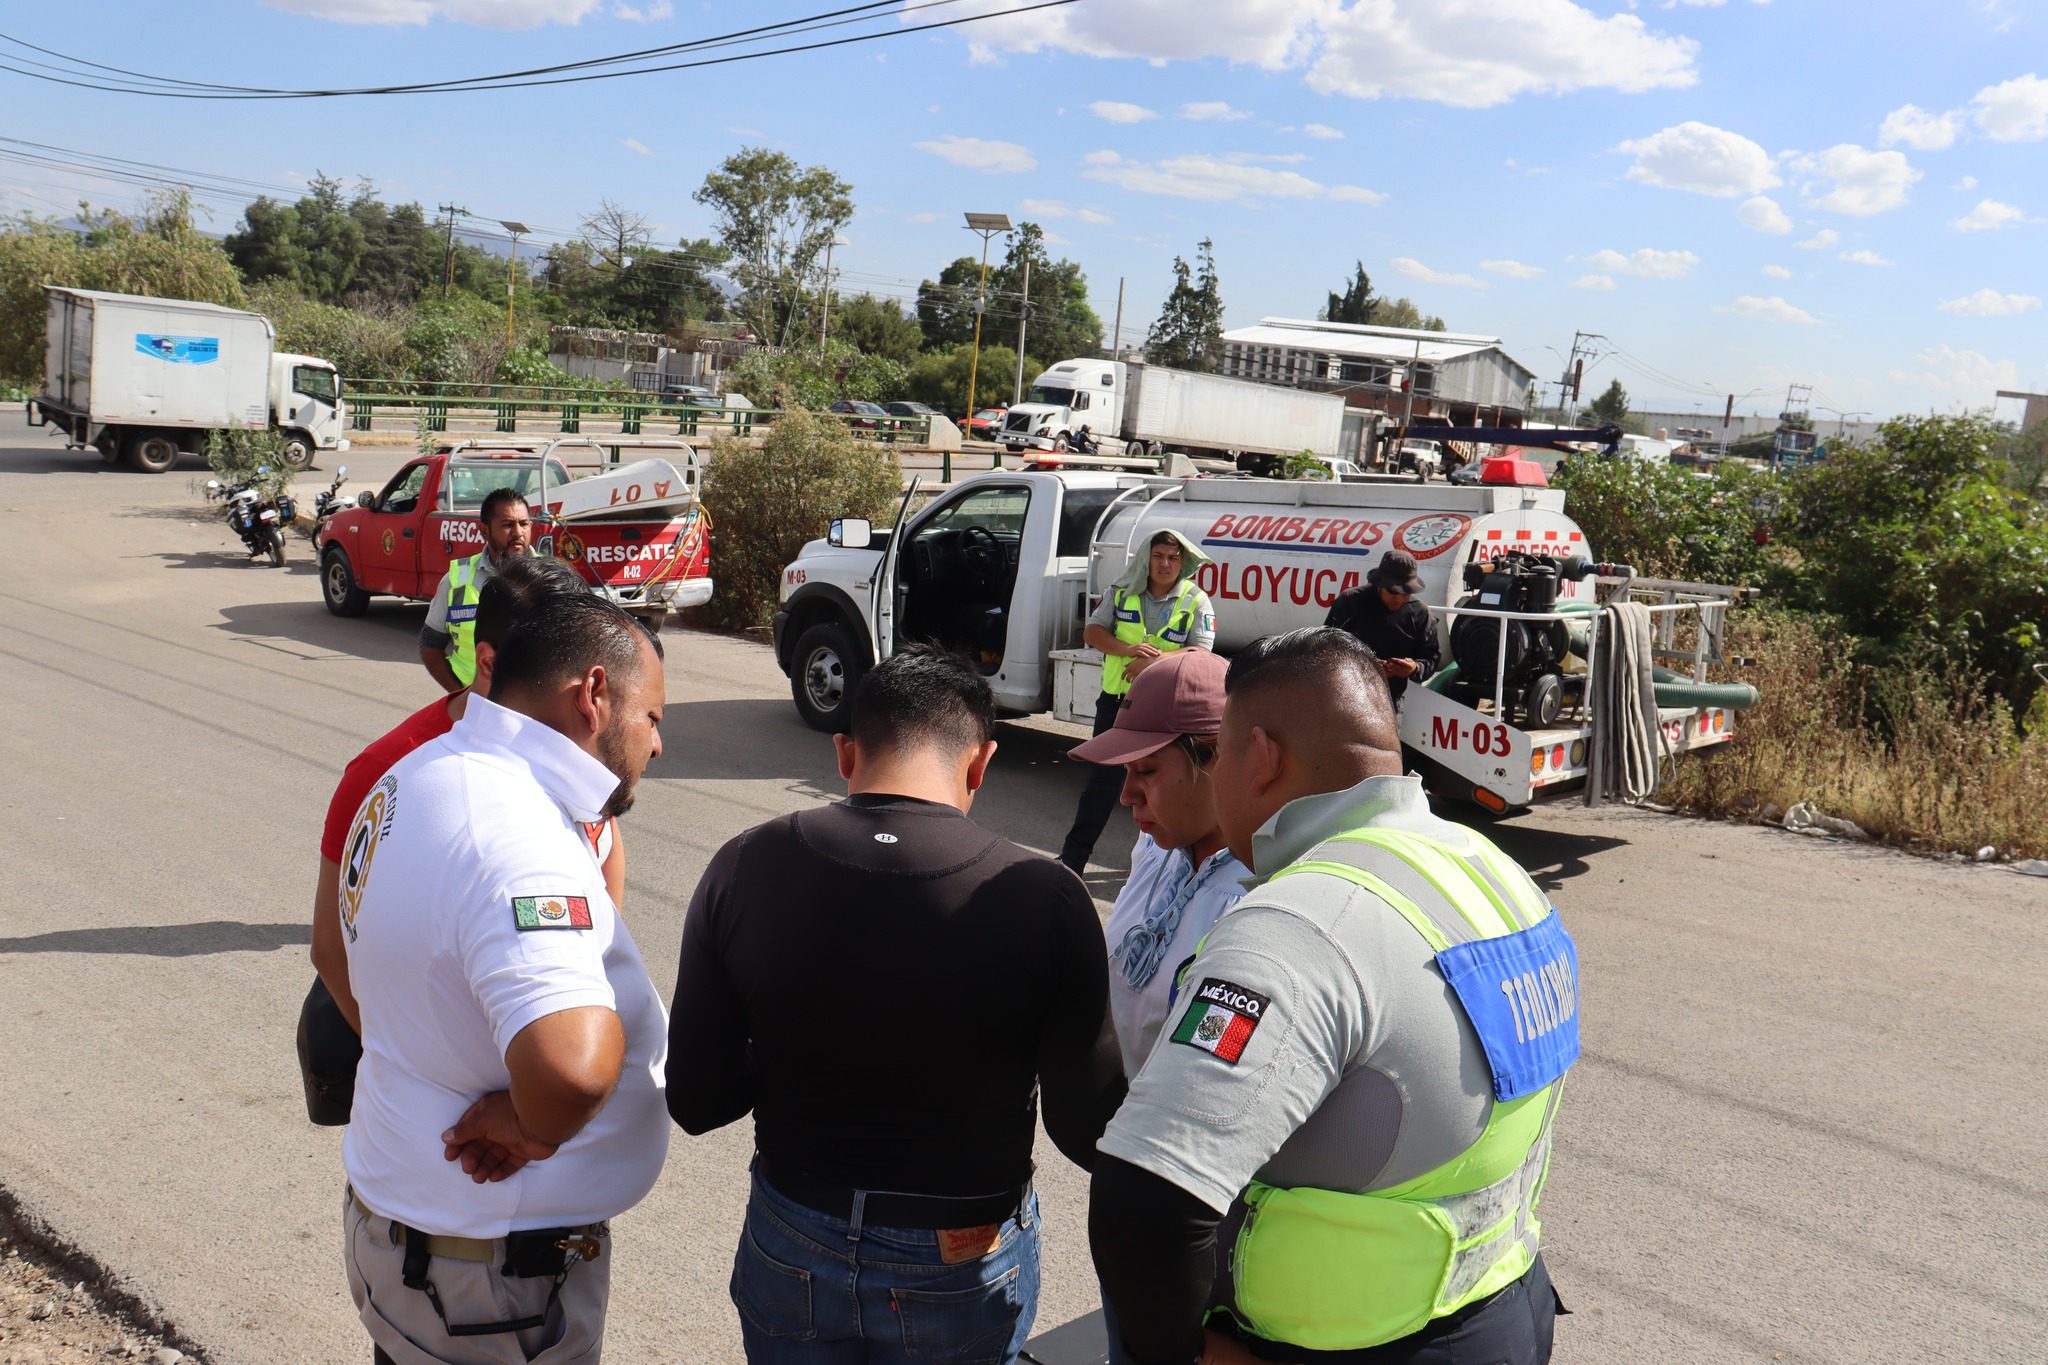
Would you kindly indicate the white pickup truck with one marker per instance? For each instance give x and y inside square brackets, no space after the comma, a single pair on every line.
[1005,566]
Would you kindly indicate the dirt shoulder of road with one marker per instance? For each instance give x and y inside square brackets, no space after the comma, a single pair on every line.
[57,1305]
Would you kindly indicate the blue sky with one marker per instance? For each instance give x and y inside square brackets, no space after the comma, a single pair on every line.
[1737,195]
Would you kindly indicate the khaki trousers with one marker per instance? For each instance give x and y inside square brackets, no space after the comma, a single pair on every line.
[403,1324]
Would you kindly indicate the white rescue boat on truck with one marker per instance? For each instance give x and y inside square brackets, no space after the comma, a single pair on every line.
[1006,566]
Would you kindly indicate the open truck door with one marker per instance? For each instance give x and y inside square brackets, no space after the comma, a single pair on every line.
[885,605]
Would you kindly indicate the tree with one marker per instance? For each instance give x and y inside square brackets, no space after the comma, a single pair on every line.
[877,327]
[1402,312]
[813,376]
[769,501]
[940,378]
[401,252]
[1062,324]
[615,232]
[159,253]
[1189,332]
[1356,303]
[945,307]
[1611,407]
[775,218]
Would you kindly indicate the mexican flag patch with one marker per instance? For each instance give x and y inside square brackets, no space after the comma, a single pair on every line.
[1221,1018]
[550,912]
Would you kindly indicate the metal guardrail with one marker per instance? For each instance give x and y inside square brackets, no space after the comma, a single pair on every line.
[504,406]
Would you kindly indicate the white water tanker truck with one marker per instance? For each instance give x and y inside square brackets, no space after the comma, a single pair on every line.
[1005,567]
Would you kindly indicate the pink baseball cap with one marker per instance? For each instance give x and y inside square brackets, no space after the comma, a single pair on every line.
[1180,694]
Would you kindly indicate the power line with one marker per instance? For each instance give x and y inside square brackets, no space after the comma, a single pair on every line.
[472,84]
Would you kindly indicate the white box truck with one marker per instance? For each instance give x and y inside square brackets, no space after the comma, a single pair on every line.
[149,378]
[1154,411]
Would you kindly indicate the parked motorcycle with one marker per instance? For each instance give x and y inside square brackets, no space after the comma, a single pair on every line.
[326,503]
[257,518]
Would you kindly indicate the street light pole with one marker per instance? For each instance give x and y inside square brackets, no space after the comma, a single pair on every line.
[988,225]
[517,230]
[1023,326]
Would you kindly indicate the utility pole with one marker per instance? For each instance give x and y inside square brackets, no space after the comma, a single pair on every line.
[1023,326]
[1574,371]
[1408,400]
[1116,337]
[448,269]
[825,322]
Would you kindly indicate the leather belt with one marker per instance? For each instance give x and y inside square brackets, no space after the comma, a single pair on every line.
[482,1250]
[891,1210]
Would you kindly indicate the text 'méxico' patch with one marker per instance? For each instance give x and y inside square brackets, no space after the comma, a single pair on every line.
[1221,1018]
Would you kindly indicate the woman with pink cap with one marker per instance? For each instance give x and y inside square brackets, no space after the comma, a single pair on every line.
[1183,877]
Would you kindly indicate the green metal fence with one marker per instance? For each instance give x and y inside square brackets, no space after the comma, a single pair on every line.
[505,406]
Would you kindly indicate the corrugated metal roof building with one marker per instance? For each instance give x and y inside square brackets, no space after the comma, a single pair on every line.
[1460,378]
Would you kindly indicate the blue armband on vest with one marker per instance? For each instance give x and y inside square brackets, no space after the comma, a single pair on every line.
[462,615]
[1521,993]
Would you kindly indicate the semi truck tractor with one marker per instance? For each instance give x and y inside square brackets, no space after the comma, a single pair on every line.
[146,379]
[1151,411]
[1006,566]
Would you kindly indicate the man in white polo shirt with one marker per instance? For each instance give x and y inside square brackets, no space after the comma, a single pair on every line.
[509,1100]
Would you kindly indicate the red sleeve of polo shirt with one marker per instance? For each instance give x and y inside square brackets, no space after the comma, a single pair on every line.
[429,722]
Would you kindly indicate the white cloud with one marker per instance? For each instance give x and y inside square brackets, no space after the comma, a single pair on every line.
[1603,282]
[1989,303]
[1043,208]
[981,154]
[926,216]
[1416,270]
[1777,272]
[644,14]
[1921,129]
[634,144]
[1095,216]
[2013,111]
[1514,270]
[1820,241]
[1469,53]
[1988,216]
[1968,182]
[1116,111]
[1212,111]
[1762,214]
[1322,132]
[506,14]
[1772,309]
[1646,263]
[1864,182]
[1703,159]
[1967,372]
[1863,257]
[1217,180]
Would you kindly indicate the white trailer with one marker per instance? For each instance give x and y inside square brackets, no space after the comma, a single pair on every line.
[1153,411]
[1005,567]
[149,378]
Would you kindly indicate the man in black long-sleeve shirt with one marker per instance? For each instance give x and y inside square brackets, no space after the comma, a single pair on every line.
[1386,613]
[886,986]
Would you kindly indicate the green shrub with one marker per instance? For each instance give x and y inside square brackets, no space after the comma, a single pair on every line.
[235,456]
[814,376]
[765,502]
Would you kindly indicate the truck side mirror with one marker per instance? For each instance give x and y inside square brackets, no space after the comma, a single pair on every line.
[850,533]
[341,473]
[365,498]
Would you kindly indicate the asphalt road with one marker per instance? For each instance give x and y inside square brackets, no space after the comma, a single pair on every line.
[1807,1126]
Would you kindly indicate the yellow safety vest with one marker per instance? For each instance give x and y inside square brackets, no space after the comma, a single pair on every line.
[1130,629]
[1336,1271]
[462,600]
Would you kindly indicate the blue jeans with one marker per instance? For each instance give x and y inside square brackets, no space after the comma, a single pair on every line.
[812,1289]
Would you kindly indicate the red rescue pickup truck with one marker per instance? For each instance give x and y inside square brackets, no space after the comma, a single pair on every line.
[635,530]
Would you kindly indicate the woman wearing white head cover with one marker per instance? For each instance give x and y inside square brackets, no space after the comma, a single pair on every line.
[1182,876]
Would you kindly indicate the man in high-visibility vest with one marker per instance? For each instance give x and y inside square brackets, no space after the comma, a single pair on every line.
[1154,609]
[1351,1106]
[448,639]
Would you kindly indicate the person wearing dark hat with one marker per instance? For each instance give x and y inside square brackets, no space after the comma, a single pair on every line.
[1183,876]
[1386,614]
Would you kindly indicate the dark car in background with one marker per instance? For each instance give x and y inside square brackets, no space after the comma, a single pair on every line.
[906,409]
[866,415]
